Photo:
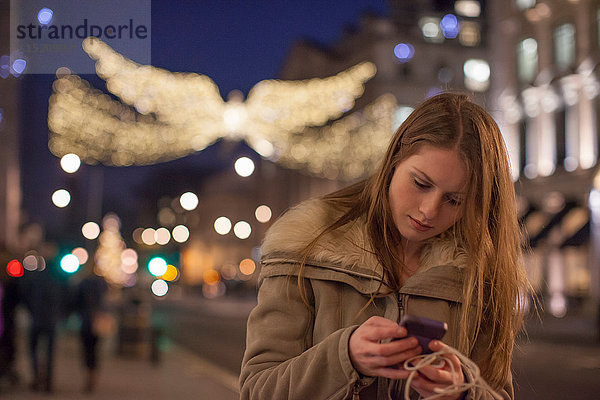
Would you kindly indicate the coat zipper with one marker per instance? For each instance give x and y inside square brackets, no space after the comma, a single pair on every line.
[400,306]
[355,395]
[356,390]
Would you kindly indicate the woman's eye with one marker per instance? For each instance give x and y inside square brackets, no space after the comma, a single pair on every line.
[453,201]
[421,185]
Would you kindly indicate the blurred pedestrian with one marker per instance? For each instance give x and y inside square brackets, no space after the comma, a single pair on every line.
[91,306]
[9,300]
[44,294]
[432,234]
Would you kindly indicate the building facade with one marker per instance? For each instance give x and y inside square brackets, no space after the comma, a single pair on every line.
[545,97]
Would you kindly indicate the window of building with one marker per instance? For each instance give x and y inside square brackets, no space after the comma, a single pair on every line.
[404,52]
[431,30]
[564,46]
[470,34]
[477,74]
[525,4]
[527,60]
[468,8]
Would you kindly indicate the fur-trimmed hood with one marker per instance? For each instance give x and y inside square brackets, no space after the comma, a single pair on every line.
[347,247]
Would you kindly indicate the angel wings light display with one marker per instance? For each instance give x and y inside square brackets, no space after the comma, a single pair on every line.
[163,115]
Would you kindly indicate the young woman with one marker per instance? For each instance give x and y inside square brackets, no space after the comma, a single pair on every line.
[433,233]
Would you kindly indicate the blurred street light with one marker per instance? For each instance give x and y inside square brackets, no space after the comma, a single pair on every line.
[61,198]
[242,230]
[157,266]
[222,225]
[69,263]
[81,254]
[70,163]
[244,166]
[189,201]
[263,214]
[90,230]
[181,233]
[149,236]
[160,287]
[162,236]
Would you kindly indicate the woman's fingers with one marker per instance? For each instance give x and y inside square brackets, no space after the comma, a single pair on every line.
[436,345]
[378,328]
[431,379]
[371,357]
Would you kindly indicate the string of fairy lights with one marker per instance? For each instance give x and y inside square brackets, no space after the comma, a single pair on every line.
[162,115]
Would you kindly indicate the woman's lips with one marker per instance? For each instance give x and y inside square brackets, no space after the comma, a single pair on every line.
[418,225]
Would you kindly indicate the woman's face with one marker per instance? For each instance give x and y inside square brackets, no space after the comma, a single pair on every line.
[427,193]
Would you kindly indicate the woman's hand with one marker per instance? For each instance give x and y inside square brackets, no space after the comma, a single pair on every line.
[430,378]
[370,357]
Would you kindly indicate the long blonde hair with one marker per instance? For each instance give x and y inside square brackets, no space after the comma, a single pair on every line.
[495,280]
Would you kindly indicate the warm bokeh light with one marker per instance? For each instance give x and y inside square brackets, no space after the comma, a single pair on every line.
[477,74]
[211,276]
[247,266]
[81,254]
[213,290]
[189,201]
[69,263]
[242,230]
[228,271]
[244,166]
[33,261]
[90,230]
[171,274]
[162,236]
[142,129]
[181,233]
[468,8]
[166,217]
[157,266]
[70,163]
[222,225]
[264,148]
[149,236]
[129,260]
[137,235]
[14,268]
[263,214]
[30,262]
[61,198]
[160,287]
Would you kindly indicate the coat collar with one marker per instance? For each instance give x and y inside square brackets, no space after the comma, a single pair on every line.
[346,252]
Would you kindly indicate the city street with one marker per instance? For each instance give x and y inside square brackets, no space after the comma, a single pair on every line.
[215,329]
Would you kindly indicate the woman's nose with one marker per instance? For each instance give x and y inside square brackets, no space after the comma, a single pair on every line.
[430,206]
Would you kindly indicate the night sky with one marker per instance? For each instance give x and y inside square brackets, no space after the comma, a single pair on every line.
[235,43]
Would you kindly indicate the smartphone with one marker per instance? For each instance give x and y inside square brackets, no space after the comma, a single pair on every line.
[424,329]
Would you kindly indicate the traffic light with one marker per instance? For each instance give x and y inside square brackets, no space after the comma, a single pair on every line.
[14,268]
[157,266]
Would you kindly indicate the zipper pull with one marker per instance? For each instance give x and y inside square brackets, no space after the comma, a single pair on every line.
[355,395]
[400,306]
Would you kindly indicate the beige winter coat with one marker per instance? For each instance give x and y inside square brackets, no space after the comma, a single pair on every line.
[292,353]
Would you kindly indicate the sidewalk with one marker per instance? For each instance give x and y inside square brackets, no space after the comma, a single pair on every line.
[179,375]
